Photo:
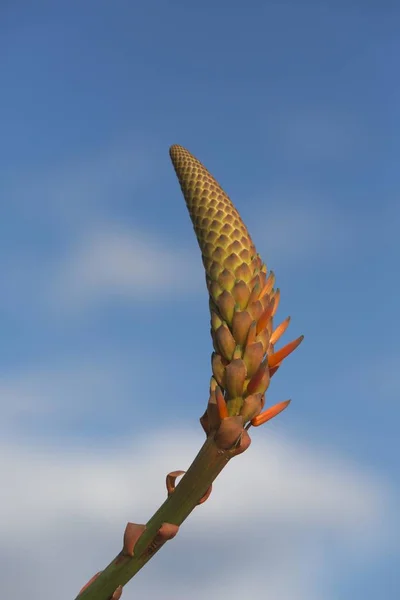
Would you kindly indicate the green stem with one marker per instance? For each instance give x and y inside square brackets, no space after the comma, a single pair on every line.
[208,463]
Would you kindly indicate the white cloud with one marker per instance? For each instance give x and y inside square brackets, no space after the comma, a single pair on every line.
[55,392]
[280,521]
[76,205]
[75,392]
[79,205]
[115,263]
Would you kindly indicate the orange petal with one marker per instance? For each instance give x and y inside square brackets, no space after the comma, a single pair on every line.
[265,317]
[277,297]
[279,331]
[277,357]
[221,404]
[270,413]
[269,284]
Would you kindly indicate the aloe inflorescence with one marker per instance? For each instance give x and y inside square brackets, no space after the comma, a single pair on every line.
[243,302]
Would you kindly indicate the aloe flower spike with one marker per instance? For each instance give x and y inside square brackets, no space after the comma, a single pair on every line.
[242,302]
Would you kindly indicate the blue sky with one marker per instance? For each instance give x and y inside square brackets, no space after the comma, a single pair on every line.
[105,349]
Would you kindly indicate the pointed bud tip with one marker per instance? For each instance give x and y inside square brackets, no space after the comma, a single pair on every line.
[174,147]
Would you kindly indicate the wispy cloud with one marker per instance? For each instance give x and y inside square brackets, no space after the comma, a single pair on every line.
[293,501]
[82,254]
[114,263]
[88,389]
[57,395]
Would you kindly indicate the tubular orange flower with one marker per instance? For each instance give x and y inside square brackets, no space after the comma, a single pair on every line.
[269,284]
[279,331]
[280,355]
[270,413]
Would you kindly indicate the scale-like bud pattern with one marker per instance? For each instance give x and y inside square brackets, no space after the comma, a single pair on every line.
[242,297]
